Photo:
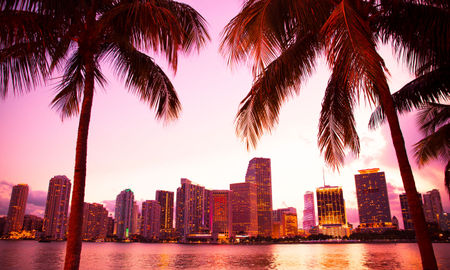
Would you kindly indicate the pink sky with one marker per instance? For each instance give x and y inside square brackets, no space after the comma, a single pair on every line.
[129,149]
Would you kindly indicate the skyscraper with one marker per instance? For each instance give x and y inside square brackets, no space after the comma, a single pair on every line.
[17,205]
[124,213]
[259,173]
[95,221]
[287,220]
[309,214]
[406,215]
[57,208]
[373,200]
[190,210]
[151,220]
[165,199]
[244,209]
[331,211]
[432,206]
[221,213]
[135,217]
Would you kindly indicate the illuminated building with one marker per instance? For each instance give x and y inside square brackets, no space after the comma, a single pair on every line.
[432,206]
[165,199]
[406,215]
[309,214]
[444,222]
[135,216]
[95,218]
[331,211]
[124,213]
[259,173]
[373,200]
[221,213]
[57,208]
[244,209]
[287,220]
[110,227]
[151,220]
[17,206]
[3,221]
[192,209]
[32,223]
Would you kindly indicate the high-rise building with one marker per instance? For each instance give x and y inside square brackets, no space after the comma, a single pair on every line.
[17,205]
[432,206]
[95,221]
[286,222]
[32,223]
[406,215]
[373,200]
[191,214]
[124,213]
[259,173]
[151,220]
[331,211]
[221,212]
[244,209]
[57,208]
[165,199]
[135,216]
[309,214]
[3,221]
[110,227]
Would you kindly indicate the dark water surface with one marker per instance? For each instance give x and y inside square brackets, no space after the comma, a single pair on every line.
[35,255]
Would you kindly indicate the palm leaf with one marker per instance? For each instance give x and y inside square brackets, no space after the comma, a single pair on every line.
[428,88]
[259,110]
[435,145]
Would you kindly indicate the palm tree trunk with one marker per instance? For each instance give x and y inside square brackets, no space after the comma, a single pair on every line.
[415,207]
[73,247]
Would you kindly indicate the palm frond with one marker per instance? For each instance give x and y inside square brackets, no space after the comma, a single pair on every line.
[435,145]
[337,123]
[259,110]
[350,46]
[428,88]
[145,79]
[433,116]
[424,40]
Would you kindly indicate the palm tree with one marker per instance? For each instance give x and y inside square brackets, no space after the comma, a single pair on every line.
[283,39]
[38,37]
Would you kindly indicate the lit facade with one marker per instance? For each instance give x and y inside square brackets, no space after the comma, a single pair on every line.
[432,206]
[373,201]
[165,199]
[17,205]
[95,221]
[32,223]
[259,173]
[192,209]
[287,220]
[331,211]
[406,215]
[57,208]
[124,213]
[151,220]
[135,217]
[309,214]
[244,209]
[221,211]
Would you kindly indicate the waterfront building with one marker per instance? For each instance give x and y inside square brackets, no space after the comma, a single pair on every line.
[373,201]
[221,214]
[95,221]
[135,217]
[432,206]
[259,173]
[3,221]
[309,214]
[244,209]
[286,218]
[331,211]
[151,220]
[32,223]
[192,209]
[406,215]
[57,208]
[395,222]
[124,213]
[165,199]
[444,222]
[110,226]
[17,205]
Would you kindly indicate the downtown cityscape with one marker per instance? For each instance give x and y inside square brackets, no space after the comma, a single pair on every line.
[194,214]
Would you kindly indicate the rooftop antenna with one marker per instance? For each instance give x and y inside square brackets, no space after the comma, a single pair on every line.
[323,175]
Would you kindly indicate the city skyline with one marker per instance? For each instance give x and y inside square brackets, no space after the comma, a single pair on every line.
[128,148]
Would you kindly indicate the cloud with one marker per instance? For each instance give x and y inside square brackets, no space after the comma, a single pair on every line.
[5,195]
[109,205]
[352,215]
